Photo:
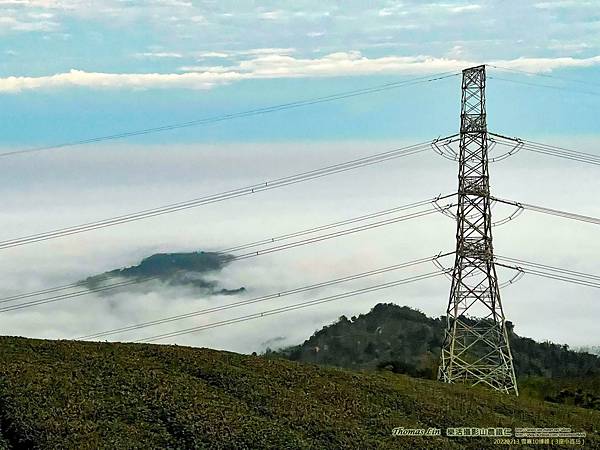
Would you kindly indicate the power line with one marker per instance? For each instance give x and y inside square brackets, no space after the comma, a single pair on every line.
[57,298]
[201,201]
[277,248]
[334,224]
[555,273]
[546,86]
[562,153]
[545,75]
[253,244]
[551,150]
[340,233]
[561,149]
[340,296]
[535,265]
[562,278]
[240,303]
[293,307]
[63,287]
[248,113]
[550,211]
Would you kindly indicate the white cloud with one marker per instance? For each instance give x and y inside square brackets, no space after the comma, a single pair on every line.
[273,65]
[548,64]
[249,52]
[441,7]
[271,15]
[85,4]
[569,47]
[46,4]
[80,78]
[560,4]
[13,24]
[158,55]
[354,63]
[40,15]
[176,3]
[404,26]
[341,63]
[266,51]
[464,8]
[211,69]
[312,14]
[397,9]
[456,51]
[212,55]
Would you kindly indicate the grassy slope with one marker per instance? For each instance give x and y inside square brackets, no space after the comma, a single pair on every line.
[542,387]
[62,394]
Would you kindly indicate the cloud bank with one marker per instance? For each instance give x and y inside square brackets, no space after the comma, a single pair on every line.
[278,65]
[51,192]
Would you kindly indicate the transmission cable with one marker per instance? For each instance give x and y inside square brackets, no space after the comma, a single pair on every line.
[254,244]
[336,224]
[277,248]
[267,185]
[540,85]
[248,113]
[240,303]
[564,278]
[555,151]
[544,75]
[555,273]
[550,211]
[539,266]
[293,307]
[551,150]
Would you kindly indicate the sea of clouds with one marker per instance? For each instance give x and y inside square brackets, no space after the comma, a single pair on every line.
[44,191]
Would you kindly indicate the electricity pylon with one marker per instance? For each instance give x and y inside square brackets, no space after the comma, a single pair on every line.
[475,349]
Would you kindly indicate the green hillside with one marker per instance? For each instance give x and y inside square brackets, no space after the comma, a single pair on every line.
[79,395]
[579,391]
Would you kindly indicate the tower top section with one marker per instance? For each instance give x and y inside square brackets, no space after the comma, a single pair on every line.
[472,114]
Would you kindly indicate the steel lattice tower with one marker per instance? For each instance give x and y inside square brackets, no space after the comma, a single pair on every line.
[475,348]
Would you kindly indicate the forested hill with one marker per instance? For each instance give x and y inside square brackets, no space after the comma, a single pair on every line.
[405,340]
[191,269]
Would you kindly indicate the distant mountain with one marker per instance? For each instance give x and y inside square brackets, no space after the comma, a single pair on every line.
[405,340]
[174,269]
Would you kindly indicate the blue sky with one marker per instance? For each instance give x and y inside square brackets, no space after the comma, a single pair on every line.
[74,69]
